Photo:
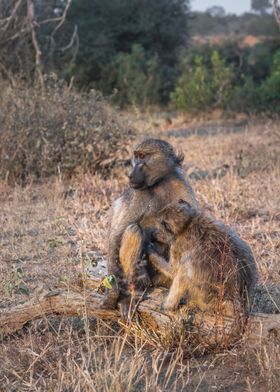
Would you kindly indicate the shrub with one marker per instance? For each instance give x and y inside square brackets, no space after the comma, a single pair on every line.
[245,97]
[110,28]
[193,90]
[221,78]
[136,77]
[251,97]
[44,132]
[270,88]
[201,86]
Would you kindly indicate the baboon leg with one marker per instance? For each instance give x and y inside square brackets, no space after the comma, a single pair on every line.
[135,274]
[131,251]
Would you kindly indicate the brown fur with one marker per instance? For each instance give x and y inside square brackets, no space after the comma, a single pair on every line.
[156,180]
[209,262]
[131,249]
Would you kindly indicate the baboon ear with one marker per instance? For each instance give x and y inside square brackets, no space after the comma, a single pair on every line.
[179,157]
[183,204]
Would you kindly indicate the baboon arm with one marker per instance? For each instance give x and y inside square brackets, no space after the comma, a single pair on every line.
[160,264]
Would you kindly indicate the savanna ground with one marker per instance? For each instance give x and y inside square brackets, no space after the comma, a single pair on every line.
[50,230]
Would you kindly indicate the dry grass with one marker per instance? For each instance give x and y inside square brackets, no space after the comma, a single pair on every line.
[48,229]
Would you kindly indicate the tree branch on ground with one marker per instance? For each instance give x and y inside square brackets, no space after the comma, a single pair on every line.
[199,329]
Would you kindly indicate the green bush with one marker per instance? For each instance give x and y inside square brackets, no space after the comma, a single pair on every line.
[245,97]
[203,86]
[193,90]
[221,80]
[136,78]
[44,132]
[110,29]
[252,97]
[270,88]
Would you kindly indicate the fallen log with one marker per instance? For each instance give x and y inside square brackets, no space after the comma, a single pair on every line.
[198,329]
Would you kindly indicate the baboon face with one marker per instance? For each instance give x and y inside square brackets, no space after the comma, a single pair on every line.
[175,217]
[152,160]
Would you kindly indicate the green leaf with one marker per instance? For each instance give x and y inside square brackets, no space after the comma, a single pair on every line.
[108,281]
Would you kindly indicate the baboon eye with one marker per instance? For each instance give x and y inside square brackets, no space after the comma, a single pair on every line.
[141,155]
[167,226]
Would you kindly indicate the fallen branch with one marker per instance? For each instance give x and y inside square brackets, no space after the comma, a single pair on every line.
[83,299]
[199,327]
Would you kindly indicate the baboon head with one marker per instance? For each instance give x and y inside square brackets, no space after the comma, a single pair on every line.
[153,159]
[175,217]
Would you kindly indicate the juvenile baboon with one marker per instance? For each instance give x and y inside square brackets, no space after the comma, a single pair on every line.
[156,180]
[209,262]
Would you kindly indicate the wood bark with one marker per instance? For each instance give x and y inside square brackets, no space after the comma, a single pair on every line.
[198,327]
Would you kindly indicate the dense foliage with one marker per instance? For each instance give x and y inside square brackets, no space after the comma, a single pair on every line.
[229,77]
[142,52]
[202,86]
[116,34]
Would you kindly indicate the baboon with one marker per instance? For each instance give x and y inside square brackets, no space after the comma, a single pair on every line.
[209,262]
[156,179]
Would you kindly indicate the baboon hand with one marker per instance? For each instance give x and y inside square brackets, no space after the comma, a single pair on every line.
[144,281]
[159,236]
[151,250]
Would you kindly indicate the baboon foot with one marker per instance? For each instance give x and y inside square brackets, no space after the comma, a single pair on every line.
[128,304]
[168,306]
[111,299]
[127,307]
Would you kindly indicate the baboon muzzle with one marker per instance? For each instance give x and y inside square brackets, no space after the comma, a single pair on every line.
[137,179]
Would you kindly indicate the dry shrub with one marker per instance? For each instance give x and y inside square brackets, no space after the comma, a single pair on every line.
[57,130]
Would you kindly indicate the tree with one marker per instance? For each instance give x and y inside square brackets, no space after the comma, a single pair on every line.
[108,27]
[216,10]
[203,85]
[270,88]
[136,78]
[260,6]
[30,36]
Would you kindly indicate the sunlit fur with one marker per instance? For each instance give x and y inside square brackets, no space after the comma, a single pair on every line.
[209,262]
[157,179]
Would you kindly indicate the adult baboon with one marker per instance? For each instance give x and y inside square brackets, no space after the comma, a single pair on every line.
[209,262]
[156,179]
